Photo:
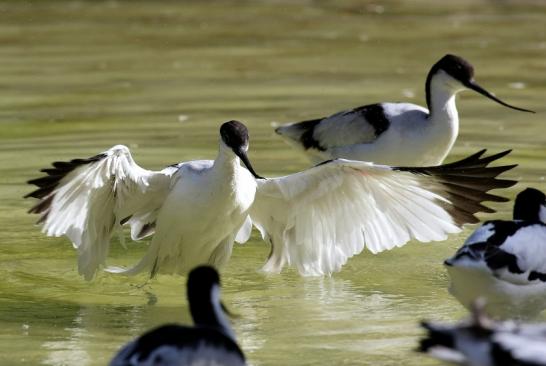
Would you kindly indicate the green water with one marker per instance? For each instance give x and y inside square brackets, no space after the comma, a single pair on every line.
[78,77]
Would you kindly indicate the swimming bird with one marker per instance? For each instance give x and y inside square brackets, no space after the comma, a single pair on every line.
[481,341]
[314,220]
[211,342]
[505,261]
[393,133]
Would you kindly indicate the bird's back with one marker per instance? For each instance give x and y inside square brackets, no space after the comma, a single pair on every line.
[398,134]
[175,345]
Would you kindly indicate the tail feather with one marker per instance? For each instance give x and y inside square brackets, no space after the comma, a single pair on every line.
[301,133]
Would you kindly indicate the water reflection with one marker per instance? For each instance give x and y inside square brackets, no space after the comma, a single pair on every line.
[72,350]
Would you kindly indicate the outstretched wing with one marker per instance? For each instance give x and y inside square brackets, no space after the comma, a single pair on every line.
[317,219]
[86,199]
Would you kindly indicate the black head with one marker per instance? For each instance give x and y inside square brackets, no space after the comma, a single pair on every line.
[456,67]
[530,205]
[462,71]
[235,135]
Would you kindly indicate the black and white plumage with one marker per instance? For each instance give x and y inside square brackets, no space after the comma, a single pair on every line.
[211,342]
[505,261]
[480,341]
[393,133]
[315,220]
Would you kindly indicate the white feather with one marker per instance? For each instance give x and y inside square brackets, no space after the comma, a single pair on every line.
[90,201]
[319,218]
[522,347]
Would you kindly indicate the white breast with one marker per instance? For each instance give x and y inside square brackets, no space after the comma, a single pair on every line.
[201,217]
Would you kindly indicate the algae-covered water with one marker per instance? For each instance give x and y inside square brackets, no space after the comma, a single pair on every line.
[77,77]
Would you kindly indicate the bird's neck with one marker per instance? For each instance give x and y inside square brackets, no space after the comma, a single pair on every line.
[529,210]
[226,161]
[441,99]
[209,313]
[443,120]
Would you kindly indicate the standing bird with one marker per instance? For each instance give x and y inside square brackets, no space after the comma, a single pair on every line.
[481,341]
[393,133]
[314,220]
[505,261]
[211,342]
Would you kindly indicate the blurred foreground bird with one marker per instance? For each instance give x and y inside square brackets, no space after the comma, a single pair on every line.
[481,341]
[504,261]
[210,342]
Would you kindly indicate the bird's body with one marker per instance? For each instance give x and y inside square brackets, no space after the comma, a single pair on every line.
[315,220]
[176,345]
[392,133]
[406,126]
[505,262]
[188,229]
[483,342]
[211,342]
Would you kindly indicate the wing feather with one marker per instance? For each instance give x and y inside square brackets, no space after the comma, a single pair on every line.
[87,199]
[315,220]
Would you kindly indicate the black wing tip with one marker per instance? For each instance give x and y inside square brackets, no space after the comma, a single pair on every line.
[508,167]
[48,183]
[31,194]
[476,160]
[479,158]
[505,183]
[465,184]
[499,199]
[60,170]
[499,155]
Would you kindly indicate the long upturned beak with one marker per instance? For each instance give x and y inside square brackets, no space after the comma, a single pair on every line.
[474,86]
[241,153]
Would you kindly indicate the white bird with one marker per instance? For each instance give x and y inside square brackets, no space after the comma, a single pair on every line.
[211,342]
[393,133]
[505,261]
[314,220]
[481,341]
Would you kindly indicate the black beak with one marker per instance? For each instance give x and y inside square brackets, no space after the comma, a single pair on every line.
[474,86]
[241,153]
[228,312]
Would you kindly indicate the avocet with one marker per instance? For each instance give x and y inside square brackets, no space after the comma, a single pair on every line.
[505,261]
[314,220]
[393,133]
[211,342]
[481,341]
